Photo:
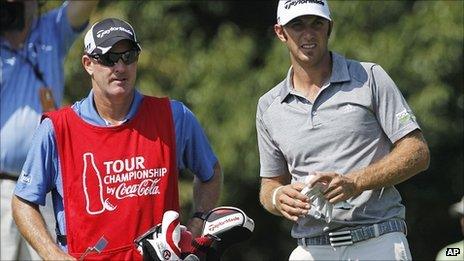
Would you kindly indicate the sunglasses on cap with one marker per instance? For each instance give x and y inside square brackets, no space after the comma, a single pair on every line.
[110,59]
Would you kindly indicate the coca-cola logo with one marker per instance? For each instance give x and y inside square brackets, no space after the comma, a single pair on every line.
[145,188]
[213,226]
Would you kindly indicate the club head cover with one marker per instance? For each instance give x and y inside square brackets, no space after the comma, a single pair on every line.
[197,247]
[228,225]
[202,245]
[162,241]
[186,238]
[148,251]
[171,232]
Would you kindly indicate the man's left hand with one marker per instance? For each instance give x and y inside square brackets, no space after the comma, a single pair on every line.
[340,188]
[195,226]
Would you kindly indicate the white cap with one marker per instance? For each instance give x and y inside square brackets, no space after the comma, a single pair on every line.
[457,209]
[290,9]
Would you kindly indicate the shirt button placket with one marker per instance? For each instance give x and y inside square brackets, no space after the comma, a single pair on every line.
[313,117]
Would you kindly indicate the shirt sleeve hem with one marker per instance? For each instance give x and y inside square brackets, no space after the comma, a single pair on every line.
[36,201]
[404,131]
[271,174]
[210,171]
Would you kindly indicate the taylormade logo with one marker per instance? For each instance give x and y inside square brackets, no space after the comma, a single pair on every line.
[102,33]
[220,223]
[291,3]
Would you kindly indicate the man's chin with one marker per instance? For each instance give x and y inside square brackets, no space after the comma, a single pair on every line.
[306,59]
[310,59]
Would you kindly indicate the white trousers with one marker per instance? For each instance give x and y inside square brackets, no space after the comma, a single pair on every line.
[390,246]
[12,245]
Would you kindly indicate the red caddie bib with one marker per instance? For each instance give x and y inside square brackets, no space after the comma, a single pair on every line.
[117,181]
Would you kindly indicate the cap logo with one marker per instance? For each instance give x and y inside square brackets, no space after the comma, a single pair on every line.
[102,33]
[291,3]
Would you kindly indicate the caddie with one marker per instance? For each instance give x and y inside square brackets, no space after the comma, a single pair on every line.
[111,160]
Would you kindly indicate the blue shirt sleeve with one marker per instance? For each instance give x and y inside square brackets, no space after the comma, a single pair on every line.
[40,171]
[193,149]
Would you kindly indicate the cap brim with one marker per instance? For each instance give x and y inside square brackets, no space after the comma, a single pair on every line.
[303,12]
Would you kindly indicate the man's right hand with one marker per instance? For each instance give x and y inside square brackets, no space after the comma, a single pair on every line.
[290,202]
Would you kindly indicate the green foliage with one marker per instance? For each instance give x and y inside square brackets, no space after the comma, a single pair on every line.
[219,69]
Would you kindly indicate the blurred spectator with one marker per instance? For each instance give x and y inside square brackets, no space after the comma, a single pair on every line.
[454,251]
[33,48]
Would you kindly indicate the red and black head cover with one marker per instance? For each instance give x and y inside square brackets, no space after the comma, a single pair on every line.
[229,225]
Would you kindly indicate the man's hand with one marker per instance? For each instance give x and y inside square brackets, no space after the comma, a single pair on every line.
[195,226]
[291,203]
[339,187]
[79,12]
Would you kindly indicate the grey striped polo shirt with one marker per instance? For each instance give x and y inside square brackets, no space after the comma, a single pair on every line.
[353,122]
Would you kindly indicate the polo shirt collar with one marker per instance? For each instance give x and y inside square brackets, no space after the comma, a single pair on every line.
[89,112]
[339,74]
[340,71]
[287,85]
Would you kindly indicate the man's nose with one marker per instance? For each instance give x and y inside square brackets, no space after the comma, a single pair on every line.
[308,31]
[119,66]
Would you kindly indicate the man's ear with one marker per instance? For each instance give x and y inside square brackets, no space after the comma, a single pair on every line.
[279,31]
[87,63]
